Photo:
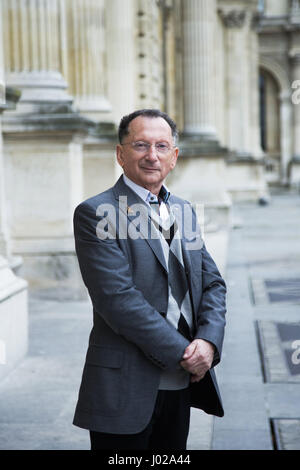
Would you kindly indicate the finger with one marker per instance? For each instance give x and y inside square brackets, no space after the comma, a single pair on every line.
[189,350]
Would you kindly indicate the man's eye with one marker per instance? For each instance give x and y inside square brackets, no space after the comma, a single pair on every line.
[140,146]
[162,146]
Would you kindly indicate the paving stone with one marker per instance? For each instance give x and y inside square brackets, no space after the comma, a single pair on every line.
[241,439]
[287,433]
[201,427]
[276,291]
[278,355]
[283,399]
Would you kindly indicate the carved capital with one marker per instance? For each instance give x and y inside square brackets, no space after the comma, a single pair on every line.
[234,18]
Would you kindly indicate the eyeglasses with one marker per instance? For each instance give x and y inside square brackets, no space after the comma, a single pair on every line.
[162,148]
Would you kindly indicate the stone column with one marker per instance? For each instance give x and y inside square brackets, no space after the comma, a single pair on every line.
[13,290]
[238,84]
[121,57]
[4,239]
[200,174]
[296,108]
[88,82]
[290,111]
[199,17]
[245,173]
[290,149]
[254,143]
[149,39]
[42,146]
[87,73]
[35,52]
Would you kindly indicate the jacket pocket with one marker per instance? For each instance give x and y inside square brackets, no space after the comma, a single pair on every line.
[102,386]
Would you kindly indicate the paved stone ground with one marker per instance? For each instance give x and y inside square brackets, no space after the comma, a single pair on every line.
[37,399]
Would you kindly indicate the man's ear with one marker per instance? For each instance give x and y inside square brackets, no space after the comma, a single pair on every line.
[174,158]
[119,152]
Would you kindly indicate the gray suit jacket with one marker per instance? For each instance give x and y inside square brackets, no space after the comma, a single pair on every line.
[131,342]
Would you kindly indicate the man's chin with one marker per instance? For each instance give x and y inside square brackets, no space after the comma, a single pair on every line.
[151,175]
[150,179]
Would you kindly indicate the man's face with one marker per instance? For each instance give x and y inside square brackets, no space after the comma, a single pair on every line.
[148,165]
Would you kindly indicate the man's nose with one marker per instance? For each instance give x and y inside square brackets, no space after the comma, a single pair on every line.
[152,153]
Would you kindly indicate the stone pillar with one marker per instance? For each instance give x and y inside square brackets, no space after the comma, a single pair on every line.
[199,18]
[35,52]
[200,174]
[13,293]
[3,217]
[121,57]
[44,175]
[245,172]
[42,147]
[13,290]
[149,54]
[238,84]
[220,77]
[4,239]
[255,143]
[296,108]
[287,138]
[89,84]
[87,73]
[290,111]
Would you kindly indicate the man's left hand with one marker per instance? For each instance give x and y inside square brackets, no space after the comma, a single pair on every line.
[197,358]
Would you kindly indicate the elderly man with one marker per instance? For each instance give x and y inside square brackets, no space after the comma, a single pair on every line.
[158,300]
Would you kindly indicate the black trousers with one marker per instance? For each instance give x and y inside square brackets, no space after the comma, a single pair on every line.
[168,428]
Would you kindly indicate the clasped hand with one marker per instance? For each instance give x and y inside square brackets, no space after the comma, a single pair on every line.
[197,358]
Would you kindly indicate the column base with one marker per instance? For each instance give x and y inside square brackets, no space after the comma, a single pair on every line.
[38,90]
[54,276]
[43,164]
[99,161]
[246,179]
[50,266]
[200,144]
[94,107]
[13,319]
[201,180]
[200,177]
[294,172]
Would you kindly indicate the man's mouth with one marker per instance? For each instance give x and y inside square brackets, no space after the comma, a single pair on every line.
[149,169]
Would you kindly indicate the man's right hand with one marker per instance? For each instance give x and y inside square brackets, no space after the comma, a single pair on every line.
[197,358]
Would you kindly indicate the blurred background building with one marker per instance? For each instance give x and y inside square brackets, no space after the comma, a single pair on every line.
[227,71]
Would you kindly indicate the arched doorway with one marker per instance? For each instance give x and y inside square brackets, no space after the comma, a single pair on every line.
[275,119]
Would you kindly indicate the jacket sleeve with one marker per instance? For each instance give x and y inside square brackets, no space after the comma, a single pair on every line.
[212,309]
[107,276]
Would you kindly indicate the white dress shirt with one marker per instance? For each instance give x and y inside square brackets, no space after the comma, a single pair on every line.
[147,196]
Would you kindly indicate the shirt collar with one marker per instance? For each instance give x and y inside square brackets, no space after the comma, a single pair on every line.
[145,194]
